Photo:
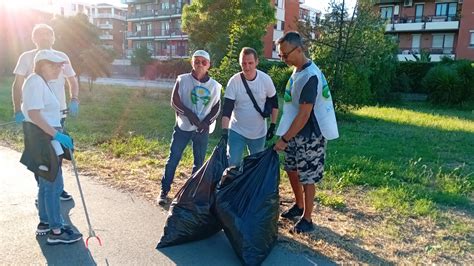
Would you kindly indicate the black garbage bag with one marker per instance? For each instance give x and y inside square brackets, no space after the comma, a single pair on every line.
[190,216]
[247,202]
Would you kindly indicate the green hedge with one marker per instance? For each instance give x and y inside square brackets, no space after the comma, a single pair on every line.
[450,83]
[409,76]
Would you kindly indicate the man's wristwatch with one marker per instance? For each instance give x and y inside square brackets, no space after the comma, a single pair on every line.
[284,140]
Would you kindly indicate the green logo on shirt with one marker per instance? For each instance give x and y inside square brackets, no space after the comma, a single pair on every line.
[200,94]
[289,84]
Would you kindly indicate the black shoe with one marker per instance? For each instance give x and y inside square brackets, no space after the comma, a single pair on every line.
[42,229]
[292,212]
[67,236]
[303,226]
[65,196]
[162,199]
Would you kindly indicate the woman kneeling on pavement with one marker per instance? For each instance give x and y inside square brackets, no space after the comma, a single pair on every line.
[44,142]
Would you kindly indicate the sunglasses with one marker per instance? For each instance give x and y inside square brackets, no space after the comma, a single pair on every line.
[200,62]
[285,55]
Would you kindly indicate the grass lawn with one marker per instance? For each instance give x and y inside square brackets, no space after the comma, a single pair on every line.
[398,185]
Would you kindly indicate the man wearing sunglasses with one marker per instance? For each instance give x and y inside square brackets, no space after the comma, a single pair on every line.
[308,121]
[242,123]
[196,100]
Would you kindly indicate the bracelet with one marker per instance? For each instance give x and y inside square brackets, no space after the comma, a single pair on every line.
[284,140]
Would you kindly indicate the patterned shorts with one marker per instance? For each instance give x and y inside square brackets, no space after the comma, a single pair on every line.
[306,156]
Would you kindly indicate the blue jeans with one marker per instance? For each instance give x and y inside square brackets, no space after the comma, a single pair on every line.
[236,144]
[49,206]
[179,141]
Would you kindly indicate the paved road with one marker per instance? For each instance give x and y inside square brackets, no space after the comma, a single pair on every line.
[130,228]
[137,83]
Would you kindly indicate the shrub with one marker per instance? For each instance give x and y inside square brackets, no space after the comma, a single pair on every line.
[172,68]
[414,72]
[266,65]
[449,83]
[280,76]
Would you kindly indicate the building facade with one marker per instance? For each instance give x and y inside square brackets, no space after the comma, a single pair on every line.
[157,24]
[442,28]
[286,15]
[109,19]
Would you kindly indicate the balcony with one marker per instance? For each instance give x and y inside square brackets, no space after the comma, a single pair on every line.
[158,34]
[436,54]
[425,23]
[154,14]
[378,2]
[106,37]
[105,26]
[108,15]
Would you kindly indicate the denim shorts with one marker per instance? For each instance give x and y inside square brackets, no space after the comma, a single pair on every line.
[306,156]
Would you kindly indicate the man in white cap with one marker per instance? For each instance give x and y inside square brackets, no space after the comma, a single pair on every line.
[43,38]
[196,100]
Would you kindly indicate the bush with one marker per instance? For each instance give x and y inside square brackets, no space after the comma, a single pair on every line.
[280,76]
[225,71]
[172,68]
[266,65]
[402,83]
[444,85]
[414,72]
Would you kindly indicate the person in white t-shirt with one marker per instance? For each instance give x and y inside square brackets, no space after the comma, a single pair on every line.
[41,108]
[196,100]
[242,124]
[43,37]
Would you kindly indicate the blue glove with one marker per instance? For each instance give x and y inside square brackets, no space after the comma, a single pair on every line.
[19,117]
[74,107]
[64,139]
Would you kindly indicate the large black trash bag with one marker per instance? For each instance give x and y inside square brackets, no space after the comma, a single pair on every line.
[247,202]
[190,216]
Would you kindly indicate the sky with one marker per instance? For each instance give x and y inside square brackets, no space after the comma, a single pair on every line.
[322,5]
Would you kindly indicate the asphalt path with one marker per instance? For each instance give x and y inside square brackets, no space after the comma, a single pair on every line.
[129,226]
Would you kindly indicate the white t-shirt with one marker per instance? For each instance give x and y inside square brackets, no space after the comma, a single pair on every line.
[199,97]
[245,120]
[24,67]
[37,96]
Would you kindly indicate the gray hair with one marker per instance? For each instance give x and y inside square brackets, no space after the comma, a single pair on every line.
[291,37]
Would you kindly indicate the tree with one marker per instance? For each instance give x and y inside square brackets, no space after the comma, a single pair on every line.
[141,57]
[355,54]
[209,24]
[80,40]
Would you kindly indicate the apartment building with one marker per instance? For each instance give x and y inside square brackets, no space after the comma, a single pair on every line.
[286,14]
[443,28]
[157,24]
[109,19]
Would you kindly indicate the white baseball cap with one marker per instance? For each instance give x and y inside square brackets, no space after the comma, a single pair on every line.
[48,55]
[202,53]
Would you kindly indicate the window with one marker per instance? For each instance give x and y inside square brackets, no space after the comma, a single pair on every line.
[386,12]
[282,25]
[447,10]
[443,43]
[419,12]
[471,43]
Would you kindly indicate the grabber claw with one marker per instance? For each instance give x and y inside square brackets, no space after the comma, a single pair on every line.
[98,240]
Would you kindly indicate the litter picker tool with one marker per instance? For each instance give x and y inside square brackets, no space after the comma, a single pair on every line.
[91,231]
